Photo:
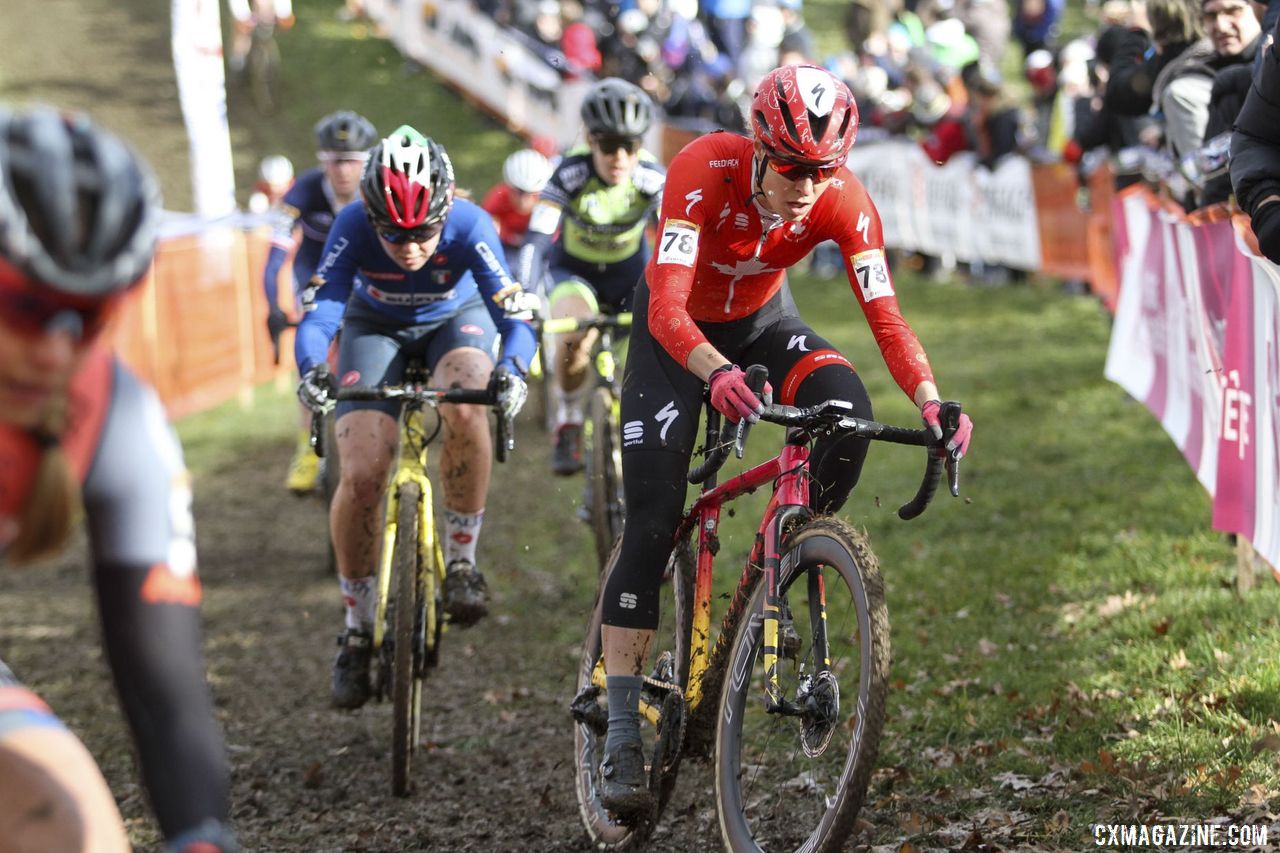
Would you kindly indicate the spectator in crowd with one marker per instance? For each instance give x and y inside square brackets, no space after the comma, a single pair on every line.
[578,42]
[1098,127]
[796,35]
[994,115]
[727,23]
[989,23]
[1035,23]
[1255,153]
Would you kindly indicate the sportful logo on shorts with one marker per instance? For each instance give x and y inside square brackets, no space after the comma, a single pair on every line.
[632,433]
[628,601]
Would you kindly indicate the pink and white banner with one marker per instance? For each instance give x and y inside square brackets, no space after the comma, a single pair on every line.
[1195,340]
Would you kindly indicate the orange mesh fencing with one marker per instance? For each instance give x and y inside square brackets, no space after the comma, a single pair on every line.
[196,327]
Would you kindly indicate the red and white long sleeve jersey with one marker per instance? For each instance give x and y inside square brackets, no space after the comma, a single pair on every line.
[720,257]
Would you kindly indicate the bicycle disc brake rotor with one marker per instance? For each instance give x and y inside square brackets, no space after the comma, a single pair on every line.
[821,715]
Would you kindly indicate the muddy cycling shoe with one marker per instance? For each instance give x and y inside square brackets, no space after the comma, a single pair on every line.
[566,456]
[624,783]
[350,684]
[466,595]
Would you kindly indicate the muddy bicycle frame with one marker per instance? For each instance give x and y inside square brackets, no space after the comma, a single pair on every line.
[789,503]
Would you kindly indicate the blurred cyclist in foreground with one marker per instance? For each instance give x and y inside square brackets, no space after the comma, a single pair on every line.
[79,434]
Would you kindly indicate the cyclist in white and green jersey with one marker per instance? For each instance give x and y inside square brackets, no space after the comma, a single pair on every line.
[589,229]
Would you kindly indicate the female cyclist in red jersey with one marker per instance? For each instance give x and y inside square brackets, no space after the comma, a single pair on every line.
[736,214]
[78,214]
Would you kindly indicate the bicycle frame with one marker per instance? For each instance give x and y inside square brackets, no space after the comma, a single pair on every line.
[411,467]
[790,499]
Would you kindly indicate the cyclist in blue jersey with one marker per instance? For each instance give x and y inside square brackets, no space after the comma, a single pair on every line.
[410,271]
[80,435]
[306,212]
[589,227]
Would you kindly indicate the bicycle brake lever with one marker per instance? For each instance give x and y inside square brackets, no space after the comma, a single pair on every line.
[953,473]
[757,376]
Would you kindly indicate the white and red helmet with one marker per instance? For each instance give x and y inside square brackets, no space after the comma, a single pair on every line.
[804,114]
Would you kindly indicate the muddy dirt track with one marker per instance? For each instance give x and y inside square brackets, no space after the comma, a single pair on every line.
[496,773]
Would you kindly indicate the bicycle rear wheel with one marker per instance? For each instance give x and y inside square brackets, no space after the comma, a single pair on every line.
[791,782]
[606,474]
[590,710]
[408,622]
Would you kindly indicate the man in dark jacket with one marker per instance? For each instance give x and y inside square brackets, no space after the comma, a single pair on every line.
[1255,153]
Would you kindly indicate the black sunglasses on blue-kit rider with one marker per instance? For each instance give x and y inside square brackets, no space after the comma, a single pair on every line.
[397,236]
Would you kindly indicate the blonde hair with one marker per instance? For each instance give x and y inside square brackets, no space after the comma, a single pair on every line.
[45,522]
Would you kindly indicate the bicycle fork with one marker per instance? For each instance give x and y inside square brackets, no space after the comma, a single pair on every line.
[791,498]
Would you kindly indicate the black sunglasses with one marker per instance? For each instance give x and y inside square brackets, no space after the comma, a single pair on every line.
[609,144]
[396,236]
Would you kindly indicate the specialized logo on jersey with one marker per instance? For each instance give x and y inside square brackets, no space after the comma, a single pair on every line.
[872,273]
[693,198]
[797,342]
[666,416]
[864,223]
[679,243]
[632,433]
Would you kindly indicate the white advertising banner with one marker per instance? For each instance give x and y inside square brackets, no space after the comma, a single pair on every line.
[1196,339]
[958,209]
[197,62]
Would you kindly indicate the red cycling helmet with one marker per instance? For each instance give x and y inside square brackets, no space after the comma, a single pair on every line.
[804,114]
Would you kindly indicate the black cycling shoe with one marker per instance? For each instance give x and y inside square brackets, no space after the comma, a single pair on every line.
[624,783]
[350,683]
[566,456]
[466,594]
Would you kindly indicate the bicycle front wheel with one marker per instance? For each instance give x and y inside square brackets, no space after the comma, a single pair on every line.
[789,782]
[406,680]
[606,474]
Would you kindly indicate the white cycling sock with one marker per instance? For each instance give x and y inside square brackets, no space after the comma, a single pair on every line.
[570,404]
[461,530]
[361,598]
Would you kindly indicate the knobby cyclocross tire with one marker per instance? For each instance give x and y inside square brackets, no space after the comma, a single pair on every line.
[605,470]
[770,793]
[673,636]
[406,690]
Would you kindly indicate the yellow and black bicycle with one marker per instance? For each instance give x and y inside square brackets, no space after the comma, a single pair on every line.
[602,431]
[410,619]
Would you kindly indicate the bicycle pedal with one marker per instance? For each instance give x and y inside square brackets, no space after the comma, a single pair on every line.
[586,710]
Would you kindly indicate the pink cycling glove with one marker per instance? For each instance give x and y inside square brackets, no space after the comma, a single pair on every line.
[732,397]
[957,442]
